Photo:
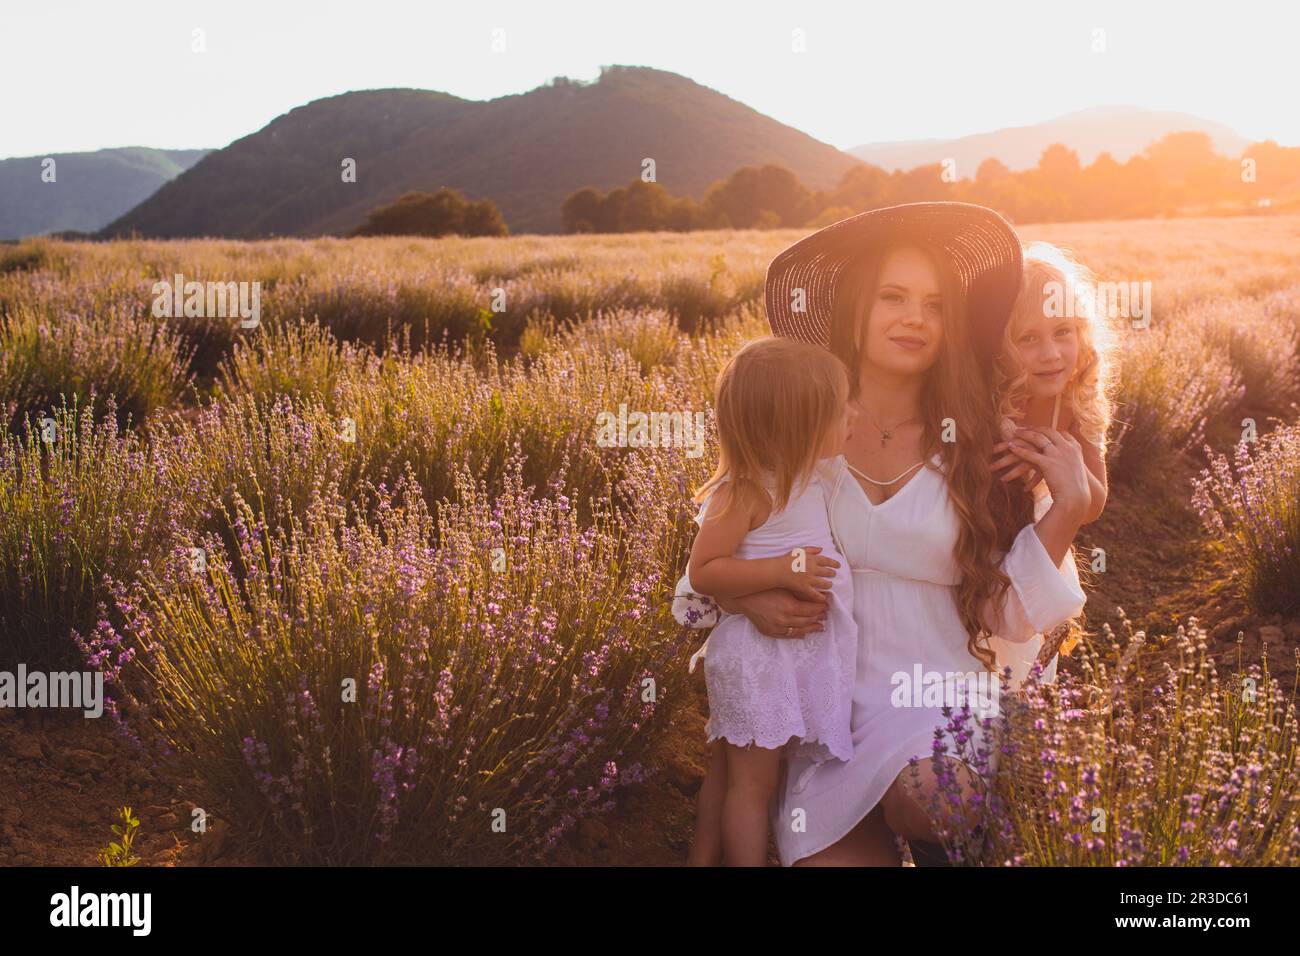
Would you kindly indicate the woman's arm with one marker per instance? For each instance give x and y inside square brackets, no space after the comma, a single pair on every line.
[775,613]
[778,613]
[1042,594]
[1012,466]
[1045,587]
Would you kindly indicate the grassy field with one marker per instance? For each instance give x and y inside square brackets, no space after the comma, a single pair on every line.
[365,587]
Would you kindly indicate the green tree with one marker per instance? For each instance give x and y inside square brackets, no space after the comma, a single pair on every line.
[443,213]
[992,170]
[1176,156]
[861,188]
[749,191]
[1101,193]
[581,211]
[645,207]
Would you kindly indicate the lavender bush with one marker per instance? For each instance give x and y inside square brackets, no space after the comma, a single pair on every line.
[387,688]
[1115,767]
[425,411]
[1263,350]
[141,363]
[90,502]
[1253,505]
[1171,384]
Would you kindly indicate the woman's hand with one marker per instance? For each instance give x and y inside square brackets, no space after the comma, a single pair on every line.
[778,613]
[1016,467]
[1059,457]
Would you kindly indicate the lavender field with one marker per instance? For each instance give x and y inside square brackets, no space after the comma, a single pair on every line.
[366,586]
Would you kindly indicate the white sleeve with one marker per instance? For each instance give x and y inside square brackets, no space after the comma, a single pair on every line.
[1041,595]
[691,609]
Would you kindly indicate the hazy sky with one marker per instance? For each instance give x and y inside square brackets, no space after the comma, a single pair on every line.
[85,75]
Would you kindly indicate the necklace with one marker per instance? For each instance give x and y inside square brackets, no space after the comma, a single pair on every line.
[885,484]
[887,433]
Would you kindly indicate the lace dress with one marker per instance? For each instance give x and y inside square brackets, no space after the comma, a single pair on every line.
[766,690]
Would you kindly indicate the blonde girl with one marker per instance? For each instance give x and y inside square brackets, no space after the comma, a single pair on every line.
[782,411]
[1053,374]
[1054,367]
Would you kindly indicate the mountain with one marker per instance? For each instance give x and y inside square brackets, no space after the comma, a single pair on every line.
[89,190]
[1122,131]
[526,152]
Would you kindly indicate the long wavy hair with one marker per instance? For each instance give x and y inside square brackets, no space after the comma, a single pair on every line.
[956,396]
[776,400]
[1089,394]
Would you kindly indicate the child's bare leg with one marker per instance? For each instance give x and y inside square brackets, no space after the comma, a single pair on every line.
[752,777]
[706,847]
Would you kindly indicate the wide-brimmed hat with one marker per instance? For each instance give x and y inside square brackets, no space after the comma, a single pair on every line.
[982,246]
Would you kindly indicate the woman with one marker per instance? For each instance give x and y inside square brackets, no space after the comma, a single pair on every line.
[913,299]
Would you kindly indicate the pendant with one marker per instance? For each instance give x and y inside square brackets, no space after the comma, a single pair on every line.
[884,437]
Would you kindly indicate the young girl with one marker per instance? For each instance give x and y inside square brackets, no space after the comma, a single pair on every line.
[781,410]
[1053,374]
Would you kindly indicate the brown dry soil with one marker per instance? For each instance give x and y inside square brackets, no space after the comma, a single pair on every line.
[62,777]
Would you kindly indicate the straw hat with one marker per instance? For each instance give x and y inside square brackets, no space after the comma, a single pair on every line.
[982,246]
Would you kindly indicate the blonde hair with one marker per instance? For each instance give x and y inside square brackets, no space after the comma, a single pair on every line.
[1090,390]
[990,512]
[776,400]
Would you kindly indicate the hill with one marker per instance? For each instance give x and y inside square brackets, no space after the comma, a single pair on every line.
[1123,131]
[90,189]
[526,152]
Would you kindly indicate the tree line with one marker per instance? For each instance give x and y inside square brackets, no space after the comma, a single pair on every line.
[1179,174]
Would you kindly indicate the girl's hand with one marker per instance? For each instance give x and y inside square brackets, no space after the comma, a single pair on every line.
[778,613]
[816,577]
[1017,467]
[1059,457]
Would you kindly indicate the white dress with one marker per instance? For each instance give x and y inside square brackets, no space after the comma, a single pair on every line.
[766,690]
[904,575]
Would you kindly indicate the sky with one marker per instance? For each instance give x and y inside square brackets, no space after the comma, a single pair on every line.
[87,75]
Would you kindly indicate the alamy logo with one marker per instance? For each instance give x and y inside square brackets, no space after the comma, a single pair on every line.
[210,300]
[977,690]
[83,690]
[103,909]
[1114,300]
[653,429]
